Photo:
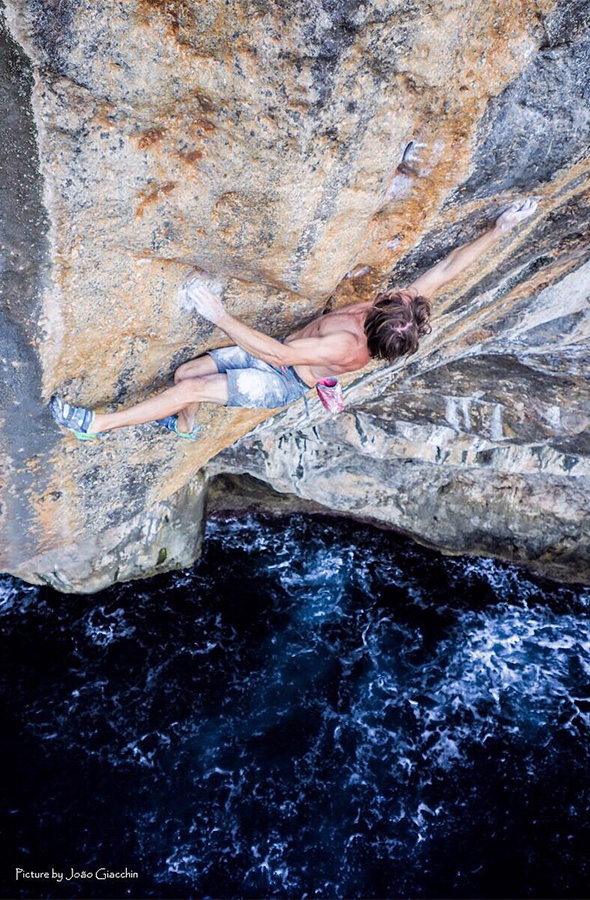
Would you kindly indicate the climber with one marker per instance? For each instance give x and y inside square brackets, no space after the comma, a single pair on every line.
[261,372]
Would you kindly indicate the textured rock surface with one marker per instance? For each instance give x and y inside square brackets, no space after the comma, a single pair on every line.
[260,141]
[475,456]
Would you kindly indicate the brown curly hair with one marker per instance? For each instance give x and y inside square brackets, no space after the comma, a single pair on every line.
[395,322]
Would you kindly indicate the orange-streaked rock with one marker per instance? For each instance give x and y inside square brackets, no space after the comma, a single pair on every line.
[261,144]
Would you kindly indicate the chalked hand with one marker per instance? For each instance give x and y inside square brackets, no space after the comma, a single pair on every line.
[202,299]
[516,213]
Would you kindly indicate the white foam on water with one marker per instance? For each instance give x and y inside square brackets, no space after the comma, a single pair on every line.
[16,595]
[329,734]
[104,626]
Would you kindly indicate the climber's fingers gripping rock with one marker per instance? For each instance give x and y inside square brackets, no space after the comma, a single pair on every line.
[203,300]
[516,212]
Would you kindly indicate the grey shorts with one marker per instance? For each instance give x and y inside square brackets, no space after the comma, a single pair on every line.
[256,384]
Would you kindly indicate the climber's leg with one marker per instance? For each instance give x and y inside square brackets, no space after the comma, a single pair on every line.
[207,389]
[195,368]
[84,422]
[259,386]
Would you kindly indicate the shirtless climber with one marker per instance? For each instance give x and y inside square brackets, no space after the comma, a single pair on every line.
[261,372]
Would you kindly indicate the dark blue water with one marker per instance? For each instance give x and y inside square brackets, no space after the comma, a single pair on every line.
[316,709]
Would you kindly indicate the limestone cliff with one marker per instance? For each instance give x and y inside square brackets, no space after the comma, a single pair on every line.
[260,141]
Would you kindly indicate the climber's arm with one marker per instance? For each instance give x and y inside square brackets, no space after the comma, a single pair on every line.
[337,348]
[462,257]
[327,350]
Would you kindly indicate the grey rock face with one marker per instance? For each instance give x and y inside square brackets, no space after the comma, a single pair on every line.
[24,268]
[537,126]
[166,537]
[488,453]
[260,141]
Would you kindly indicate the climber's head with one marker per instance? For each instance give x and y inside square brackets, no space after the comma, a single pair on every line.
[395,322]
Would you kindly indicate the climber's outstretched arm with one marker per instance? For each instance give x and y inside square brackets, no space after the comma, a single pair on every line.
[333,349]
[461,258]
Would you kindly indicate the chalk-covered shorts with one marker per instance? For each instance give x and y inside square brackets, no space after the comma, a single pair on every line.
[256,384]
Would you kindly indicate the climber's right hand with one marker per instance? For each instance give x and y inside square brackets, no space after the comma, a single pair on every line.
[205,302]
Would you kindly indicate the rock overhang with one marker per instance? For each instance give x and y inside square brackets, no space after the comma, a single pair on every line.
[262,147]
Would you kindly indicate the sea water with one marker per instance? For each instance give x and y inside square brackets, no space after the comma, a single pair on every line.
[316,709]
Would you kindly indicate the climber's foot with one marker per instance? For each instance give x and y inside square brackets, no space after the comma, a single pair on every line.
[76,419]
[184,422]
[171,423]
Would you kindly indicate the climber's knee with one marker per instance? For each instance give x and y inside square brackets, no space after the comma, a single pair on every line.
[195,368]
[205,389]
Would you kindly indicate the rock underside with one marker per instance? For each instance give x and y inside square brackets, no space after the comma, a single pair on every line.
[260,143]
